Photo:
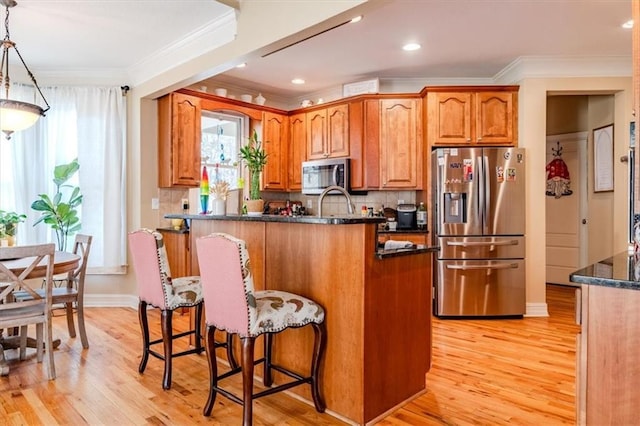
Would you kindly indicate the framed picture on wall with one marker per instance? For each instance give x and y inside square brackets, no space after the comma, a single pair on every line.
[603,158]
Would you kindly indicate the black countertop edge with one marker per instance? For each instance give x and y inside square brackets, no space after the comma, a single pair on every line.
[324,220]
[175,231]
[384,254]
[403,231]
[619,271]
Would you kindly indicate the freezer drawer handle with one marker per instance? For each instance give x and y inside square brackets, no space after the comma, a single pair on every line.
[482,243]
[494,266]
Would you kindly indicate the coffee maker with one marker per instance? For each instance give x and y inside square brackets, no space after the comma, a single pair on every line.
[407,216]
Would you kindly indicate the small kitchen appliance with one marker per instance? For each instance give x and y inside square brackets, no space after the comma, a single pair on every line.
[407,216]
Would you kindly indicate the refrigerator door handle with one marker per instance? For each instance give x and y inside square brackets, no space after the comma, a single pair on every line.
[476,267]
[480,191]
[482,243]
[487,193]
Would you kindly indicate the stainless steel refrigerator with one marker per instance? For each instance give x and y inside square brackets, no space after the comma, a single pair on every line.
[479,224]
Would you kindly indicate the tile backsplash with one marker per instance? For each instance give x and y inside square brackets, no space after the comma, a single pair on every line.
[171,201]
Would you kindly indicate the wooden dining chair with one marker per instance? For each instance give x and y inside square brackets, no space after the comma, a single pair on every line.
[36,310]
[68,289]
[232,304]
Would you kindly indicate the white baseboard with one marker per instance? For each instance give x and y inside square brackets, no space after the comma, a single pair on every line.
[537,310]
[111,301]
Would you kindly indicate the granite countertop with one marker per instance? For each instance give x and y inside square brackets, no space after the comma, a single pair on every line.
[620,271]
[324,220]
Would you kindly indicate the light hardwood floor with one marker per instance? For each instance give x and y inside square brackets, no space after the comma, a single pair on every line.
[484,372]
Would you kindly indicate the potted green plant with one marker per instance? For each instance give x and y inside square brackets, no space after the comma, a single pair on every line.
[59,213]
[255,158]
[9,225]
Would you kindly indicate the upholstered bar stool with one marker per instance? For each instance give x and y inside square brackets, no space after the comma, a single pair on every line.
[232,304]
[158,289]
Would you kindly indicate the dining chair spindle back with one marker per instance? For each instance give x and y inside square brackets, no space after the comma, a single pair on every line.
[37,309]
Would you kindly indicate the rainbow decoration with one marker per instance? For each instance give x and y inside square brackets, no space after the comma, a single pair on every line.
[204,190]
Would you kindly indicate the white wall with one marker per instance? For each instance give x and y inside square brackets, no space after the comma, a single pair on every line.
[532,129]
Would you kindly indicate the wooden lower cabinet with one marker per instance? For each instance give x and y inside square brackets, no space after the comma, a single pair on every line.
[608,371]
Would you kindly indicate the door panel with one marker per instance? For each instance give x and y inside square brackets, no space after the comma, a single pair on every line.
[505,180]
[480,288]
[456,191]
[563,219]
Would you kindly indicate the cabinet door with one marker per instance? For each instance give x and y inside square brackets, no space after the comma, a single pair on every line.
[494,118]
[179,141]
[316,134]
[338,131]
[297,150]
[449,119]
[400,146]
[274,135]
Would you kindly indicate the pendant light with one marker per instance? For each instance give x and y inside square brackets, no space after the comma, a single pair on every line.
[15,115]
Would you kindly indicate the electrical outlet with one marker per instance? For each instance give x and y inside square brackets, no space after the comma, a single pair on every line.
[155,204]
[185,204]
[400,201]
[309,204]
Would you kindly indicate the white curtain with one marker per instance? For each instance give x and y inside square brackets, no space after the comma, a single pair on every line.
[88,123]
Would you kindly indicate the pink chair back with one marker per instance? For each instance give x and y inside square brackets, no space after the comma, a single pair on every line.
[151,268]
[227,283]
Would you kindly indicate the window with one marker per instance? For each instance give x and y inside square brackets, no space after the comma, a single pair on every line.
[88,123]
[222,136]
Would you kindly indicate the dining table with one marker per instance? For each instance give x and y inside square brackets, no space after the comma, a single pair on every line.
[63,262]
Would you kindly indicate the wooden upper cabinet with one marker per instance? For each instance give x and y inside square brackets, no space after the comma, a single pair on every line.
[275,142]
[449,118]
[297,150]
[495,118]
[179,133]
[328,132]
[468,117]
[400,144]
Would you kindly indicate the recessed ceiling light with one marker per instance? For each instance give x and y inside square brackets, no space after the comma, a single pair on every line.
[297,81]
[411,46]
[356,19]
[242,65]
[628,24]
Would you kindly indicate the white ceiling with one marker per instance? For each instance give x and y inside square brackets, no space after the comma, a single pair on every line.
[463,39]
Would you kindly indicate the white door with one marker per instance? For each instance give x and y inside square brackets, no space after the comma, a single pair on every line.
[566,215]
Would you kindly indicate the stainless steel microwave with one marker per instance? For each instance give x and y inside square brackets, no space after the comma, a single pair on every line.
[317,175]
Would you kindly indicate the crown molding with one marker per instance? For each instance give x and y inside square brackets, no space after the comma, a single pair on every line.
[205,39]
[564,66]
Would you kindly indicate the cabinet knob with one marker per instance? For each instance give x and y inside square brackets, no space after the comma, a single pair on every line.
[468,139]
[479,139]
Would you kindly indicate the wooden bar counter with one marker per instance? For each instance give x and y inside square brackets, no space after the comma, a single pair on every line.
[377,303]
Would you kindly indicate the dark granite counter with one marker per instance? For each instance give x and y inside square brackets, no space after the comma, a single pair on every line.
[619,271]
[324,220]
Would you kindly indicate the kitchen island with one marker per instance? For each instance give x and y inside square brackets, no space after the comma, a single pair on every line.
[608,371]
[377,304]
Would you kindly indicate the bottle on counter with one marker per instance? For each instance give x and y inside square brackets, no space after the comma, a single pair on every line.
[364,211]
[421,216]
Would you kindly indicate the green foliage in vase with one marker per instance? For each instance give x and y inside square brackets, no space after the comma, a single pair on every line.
[255,158]
[9,222]
[61,213]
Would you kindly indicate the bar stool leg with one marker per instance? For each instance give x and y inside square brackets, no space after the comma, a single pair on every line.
[247,380]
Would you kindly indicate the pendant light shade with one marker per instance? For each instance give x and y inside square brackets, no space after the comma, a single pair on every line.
[15,115]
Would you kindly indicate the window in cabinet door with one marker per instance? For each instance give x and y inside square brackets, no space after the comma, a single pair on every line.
[222,136]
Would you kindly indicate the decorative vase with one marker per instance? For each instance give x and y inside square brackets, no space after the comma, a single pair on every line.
[177,224]
[260,100]
[254,207]
[219,206]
